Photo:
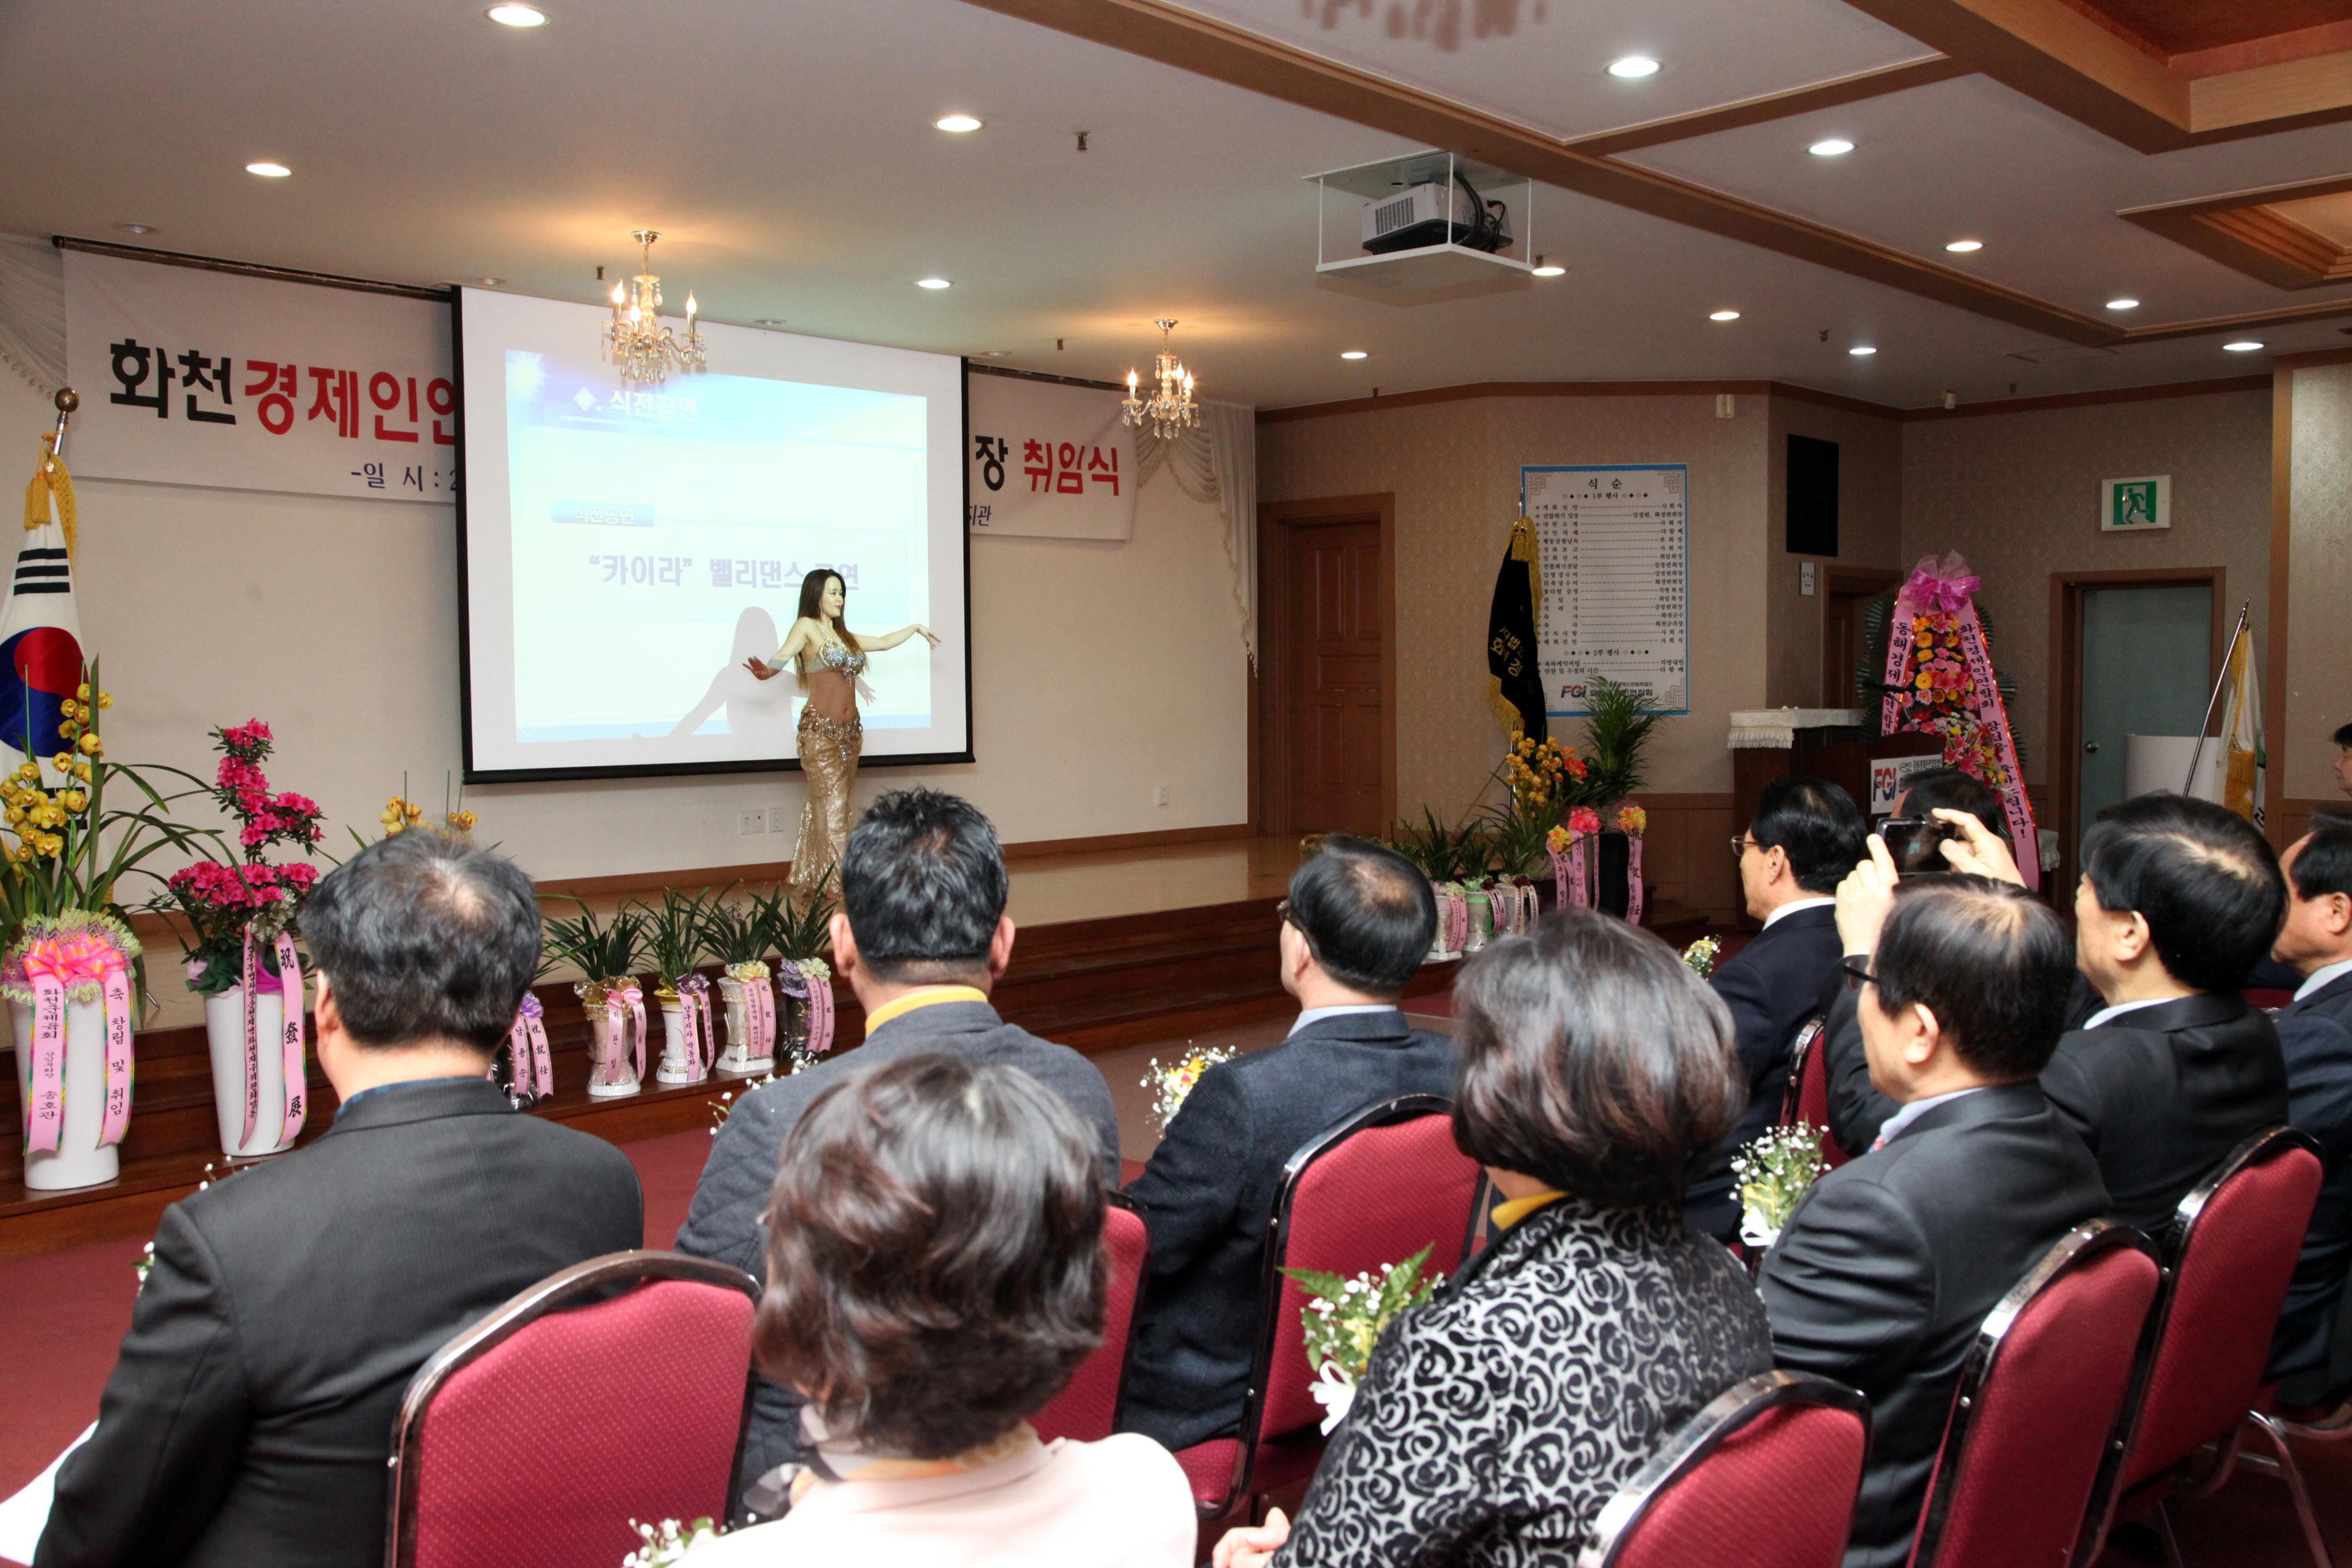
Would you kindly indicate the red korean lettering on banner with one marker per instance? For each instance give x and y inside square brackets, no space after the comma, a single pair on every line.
[384,391]
[336,396]
[1068,480]
[275,386]
[1038,462]
[1101,472]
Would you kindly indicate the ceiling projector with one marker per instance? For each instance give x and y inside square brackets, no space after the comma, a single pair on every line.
[1434,213]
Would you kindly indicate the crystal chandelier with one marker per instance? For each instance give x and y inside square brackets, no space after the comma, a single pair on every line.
[1172,408]
[635,339]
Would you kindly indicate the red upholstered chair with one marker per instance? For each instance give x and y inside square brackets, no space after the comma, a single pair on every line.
[2038,1398]
[1089,1404]
[2227,1264]
[1765,1477]
[1807,1096]
[1373,1190]
[611,1391]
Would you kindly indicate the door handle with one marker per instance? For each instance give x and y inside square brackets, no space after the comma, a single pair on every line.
[2089,746]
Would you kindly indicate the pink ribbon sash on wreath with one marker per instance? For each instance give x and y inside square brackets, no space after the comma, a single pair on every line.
[1945,590]
[52,973]
[1632,878]
[816,991]
[624,1001]
[760,1013]
[531,1070]
[288,982]
[694,1016]
[45,1112]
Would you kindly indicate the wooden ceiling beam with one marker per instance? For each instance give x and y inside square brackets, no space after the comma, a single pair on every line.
[1206,47]
[1772,106]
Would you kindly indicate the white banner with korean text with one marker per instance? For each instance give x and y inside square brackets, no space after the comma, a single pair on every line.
[193,377]
[1047,459]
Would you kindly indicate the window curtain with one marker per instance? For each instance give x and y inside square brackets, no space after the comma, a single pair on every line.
[1216,461]
[33,310]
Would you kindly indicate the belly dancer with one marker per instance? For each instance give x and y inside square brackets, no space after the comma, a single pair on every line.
[828,660]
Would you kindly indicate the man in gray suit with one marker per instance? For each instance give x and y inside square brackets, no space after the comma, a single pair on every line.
[922,937]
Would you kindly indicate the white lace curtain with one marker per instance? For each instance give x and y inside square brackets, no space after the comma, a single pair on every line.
[33,310]
[1216,460]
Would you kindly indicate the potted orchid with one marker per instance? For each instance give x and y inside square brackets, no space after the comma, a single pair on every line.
[677,932]
[71,969]
[800,936]
[738,939]
[607,951]
[241,919]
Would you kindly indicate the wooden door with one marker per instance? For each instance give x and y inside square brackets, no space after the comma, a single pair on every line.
[1332,581]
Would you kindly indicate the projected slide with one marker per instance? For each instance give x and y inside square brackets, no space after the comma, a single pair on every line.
[628,547]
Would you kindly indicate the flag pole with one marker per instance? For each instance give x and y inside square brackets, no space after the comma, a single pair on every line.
[66,400]
[2196,753]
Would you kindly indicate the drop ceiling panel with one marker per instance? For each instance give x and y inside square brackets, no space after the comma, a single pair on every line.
[1970,159]
[1544,63]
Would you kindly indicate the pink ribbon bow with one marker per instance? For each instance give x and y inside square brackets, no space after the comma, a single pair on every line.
[528,1060]
[625,998]
[1946,584]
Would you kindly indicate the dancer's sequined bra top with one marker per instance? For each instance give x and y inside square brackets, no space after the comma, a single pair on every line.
[842,660]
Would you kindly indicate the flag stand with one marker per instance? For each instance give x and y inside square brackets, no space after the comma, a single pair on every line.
[2197,754]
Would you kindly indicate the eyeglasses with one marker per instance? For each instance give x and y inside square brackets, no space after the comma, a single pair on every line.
[1740,844]
[1282,916]
[1858,974]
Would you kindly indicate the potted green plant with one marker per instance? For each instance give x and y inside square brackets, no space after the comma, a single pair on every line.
[737,936]
[800,936]
[1618,725]
[676,934]
[607,952]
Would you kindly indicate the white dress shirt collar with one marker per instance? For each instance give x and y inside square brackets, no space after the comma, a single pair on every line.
[1316,1015]
[2324,975]
[1889,1128]
[2104,1014]
[1794,905]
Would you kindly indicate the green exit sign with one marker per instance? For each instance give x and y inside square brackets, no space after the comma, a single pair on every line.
[2135,506]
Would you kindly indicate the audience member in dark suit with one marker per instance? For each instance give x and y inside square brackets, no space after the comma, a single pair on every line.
[250,1415]
[1496,1419]
[2178,897]
[1857,1110]
[1806,836]
[1885,1272]
[922,936]
[1354,929]
[2314,1035]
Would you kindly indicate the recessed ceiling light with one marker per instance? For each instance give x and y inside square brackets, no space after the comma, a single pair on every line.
[511,16]
[1723,316]
[1962,246]
[768,321]
[2244,346]
[1831,148]
[2124,303]
[1548,268]
[1633,67]
[1351,354]
[931,283]
[269,171]
[1862,351]
[958,124]
[137,227]
[489,282]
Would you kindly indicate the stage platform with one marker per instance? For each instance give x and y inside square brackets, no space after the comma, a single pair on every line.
[1118,950]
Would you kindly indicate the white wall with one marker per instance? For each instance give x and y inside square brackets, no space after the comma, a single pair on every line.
[1100,671]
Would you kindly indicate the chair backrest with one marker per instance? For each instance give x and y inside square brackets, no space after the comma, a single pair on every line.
[2037,1399]
[1371,1191]
[2234,1243]
[1807,1096]
[611,1391]
[1088,1406]
[1765,1477]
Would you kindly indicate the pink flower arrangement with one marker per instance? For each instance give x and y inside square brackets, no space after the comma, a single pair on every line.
[1632,819]
[1583,821]
[223,902]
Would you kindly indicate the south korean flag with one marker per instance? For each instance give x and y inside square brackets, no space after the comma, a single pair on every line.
[41,633]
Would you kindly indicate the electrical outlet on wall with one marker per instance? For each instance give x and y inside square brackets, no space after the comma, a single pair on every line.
[753,822]
[1159,794]
[782,819]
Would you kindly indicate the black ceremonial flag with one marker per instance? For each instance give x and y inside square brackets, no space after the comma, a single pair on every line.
[1514,687]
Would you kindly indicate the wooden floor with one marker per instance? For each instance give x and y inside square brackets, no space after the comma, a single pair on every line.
[1115,949]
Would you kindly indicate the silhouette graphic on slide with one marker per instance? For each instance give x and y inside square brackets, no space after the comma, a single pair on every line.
[755,710]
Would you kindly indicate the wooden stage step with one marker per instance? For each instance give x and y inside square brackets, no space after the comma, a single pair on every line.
[1093,984]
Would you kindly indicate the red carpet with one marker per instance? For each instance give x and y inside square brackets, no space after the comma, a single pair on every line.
[62,1316]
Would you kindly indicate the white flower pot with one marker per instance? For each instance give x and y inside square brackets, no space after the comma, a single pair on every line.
[1481,921]
[78,1160]
[225,1034]
[678,1062]
[607,1043]
[735,1060]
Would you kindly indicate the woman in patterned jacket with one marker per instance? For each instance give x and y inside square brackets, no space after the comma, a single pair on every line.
[1598,1077]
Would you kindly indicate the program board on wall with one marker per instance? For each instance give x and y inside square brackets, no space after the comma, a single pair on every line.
[1614,542]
